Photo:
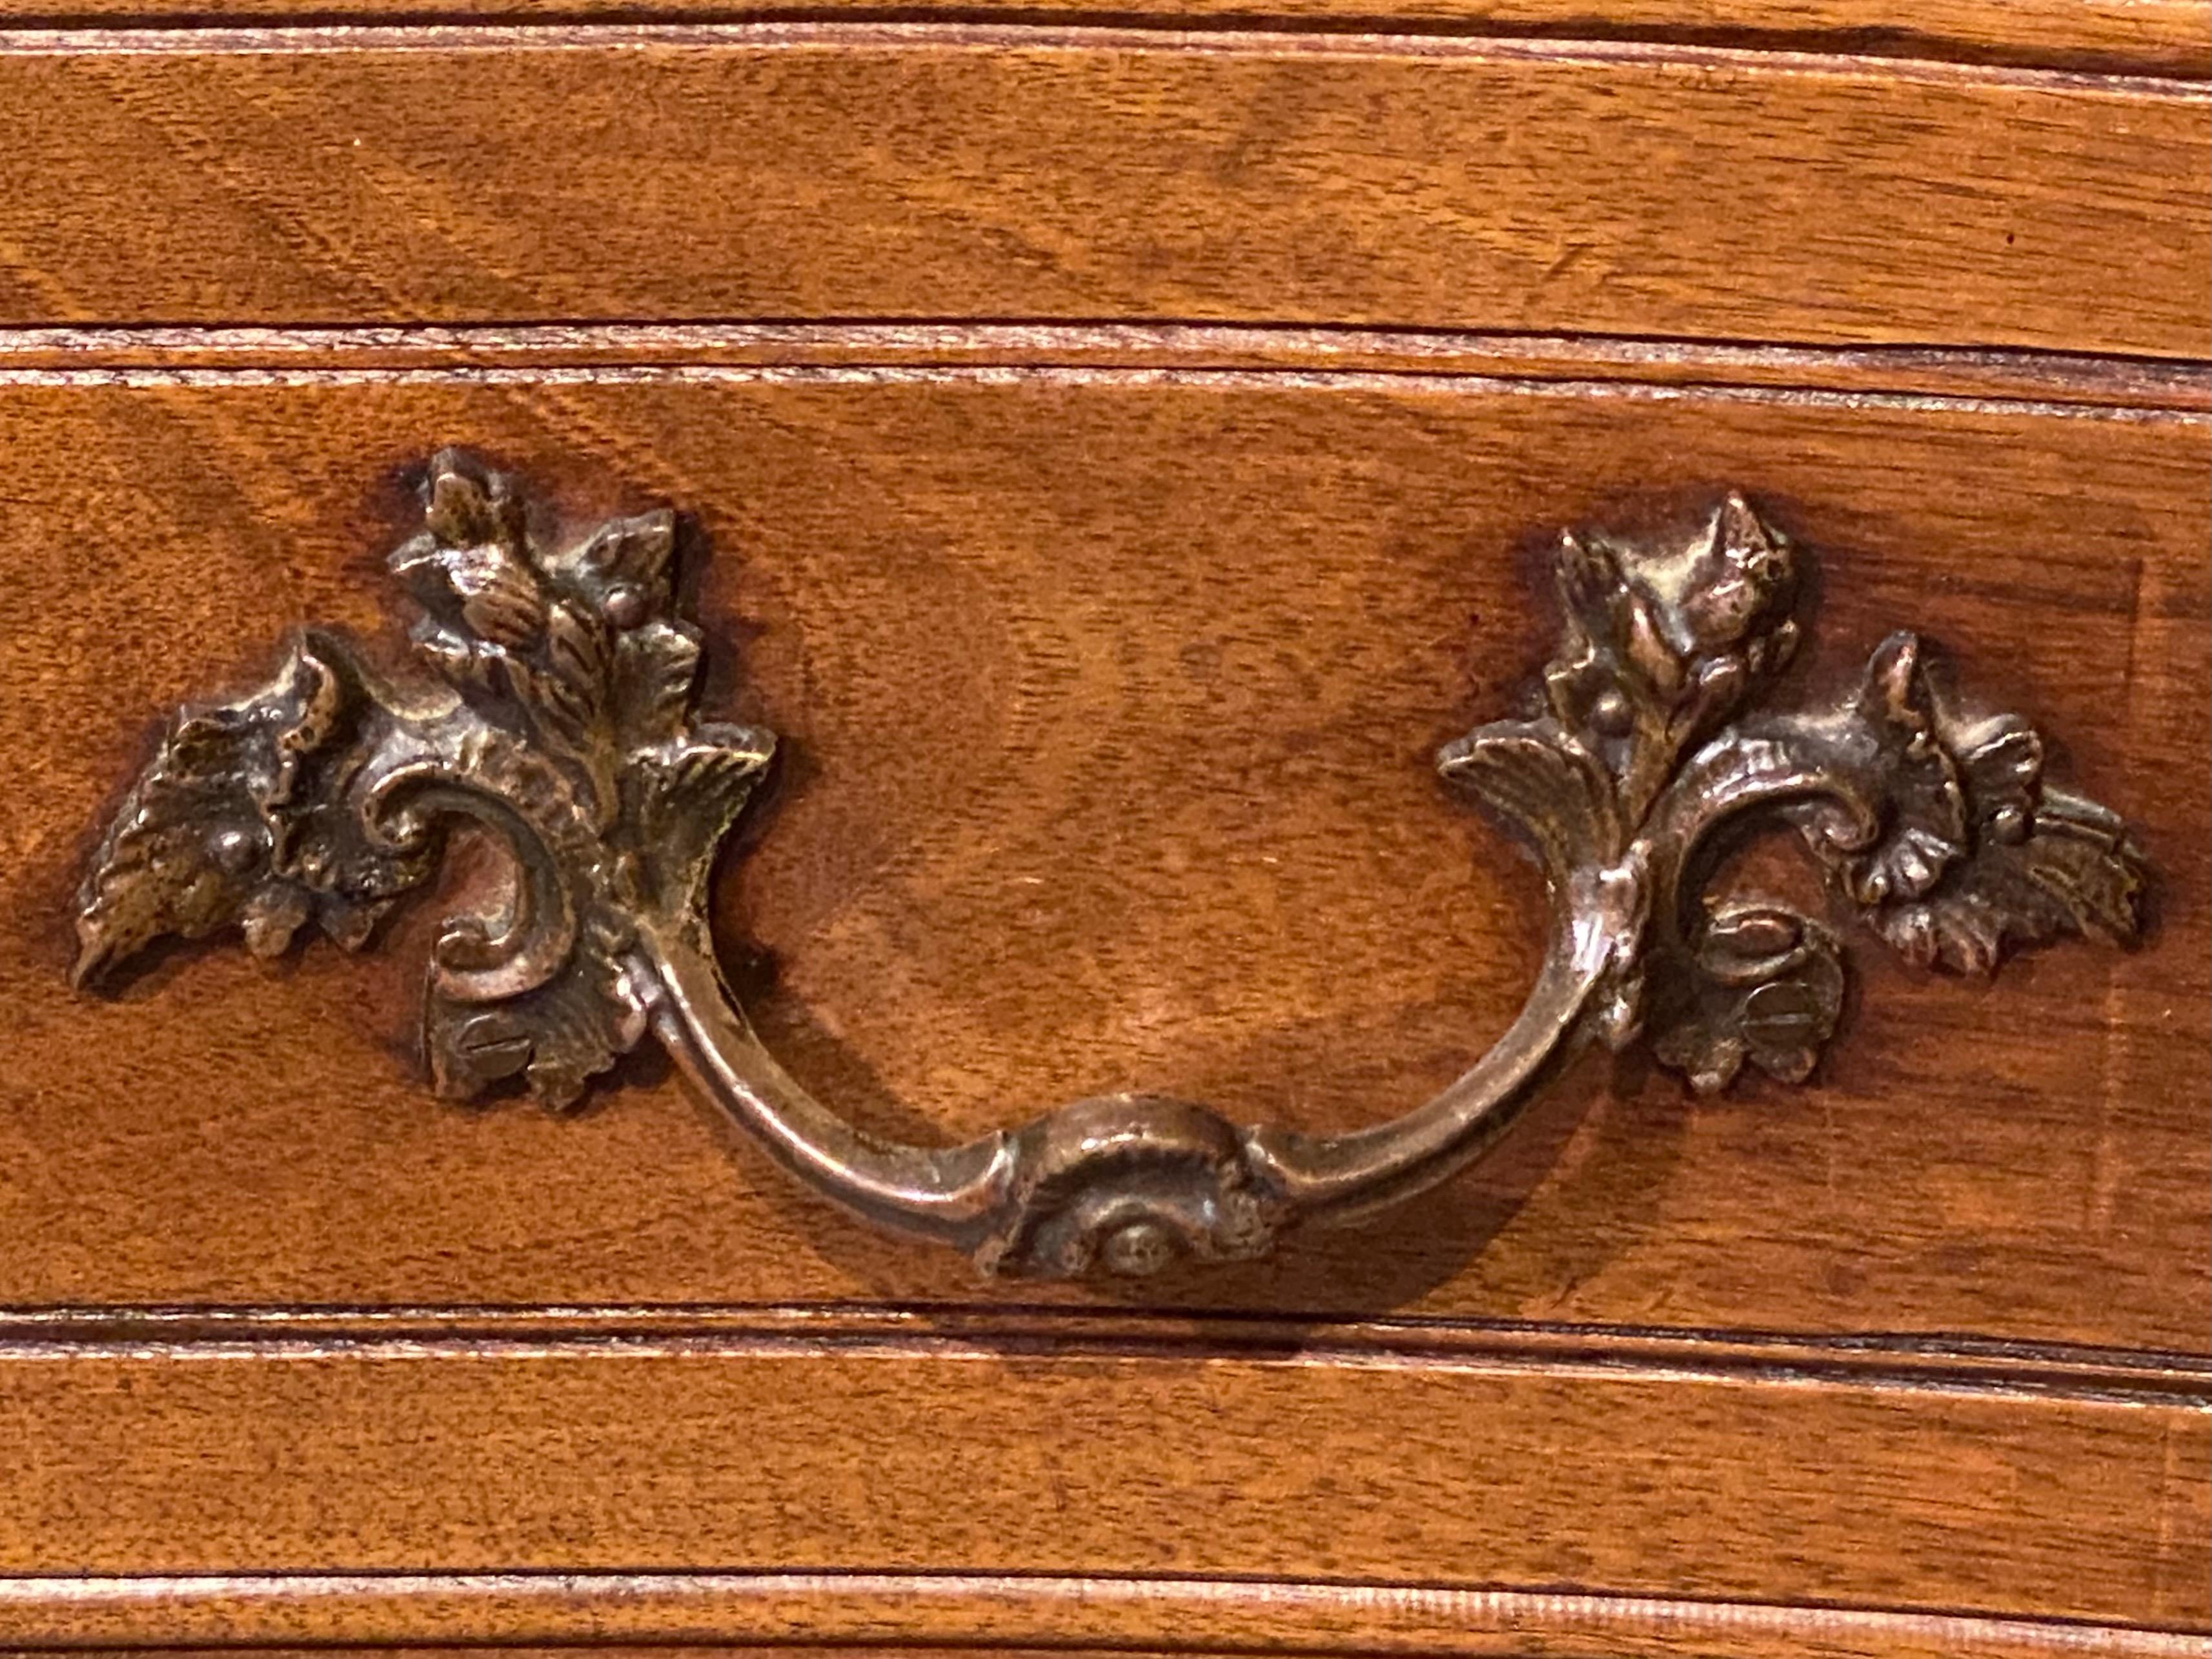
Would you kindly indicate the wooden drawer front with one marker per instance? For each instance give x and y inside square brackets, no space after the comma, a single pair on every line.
[1108,695]
[857,170]
[1107,704]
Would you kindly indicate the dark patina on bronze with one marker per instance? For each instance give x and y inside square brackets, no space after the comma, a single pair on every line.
[551,703]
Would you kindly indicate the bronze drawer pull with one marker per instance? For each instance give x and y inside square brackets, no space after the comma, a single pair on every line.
[556,712]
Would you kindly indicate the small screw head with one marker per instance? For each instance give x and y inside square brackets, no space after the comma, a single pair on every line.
[234,849]
[1137,1250]
[1611,716]
[625,605]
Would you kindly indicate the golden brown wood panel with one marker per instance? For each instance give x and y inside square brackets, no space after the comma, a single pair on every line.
[966,171]
[614,1459]
[1108,698]
[2171,37]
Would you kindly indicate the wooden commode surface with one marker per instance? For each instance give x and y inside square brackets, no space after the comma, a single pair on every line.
[1116,451]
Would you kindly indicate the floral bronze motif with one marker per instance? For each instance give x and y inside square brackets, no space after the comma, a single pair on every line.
[550,703]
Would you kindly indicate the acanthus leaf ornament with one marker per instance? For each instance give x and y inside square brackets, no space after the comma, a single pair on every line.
[556,713]
[550,703]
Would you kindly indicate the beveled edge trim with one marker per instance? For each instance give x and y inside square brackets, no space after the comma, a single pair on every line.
[1387,37]
[2099,37]
[1950,372]
[1190,1615]
[2107,37]
[1955,1364]
[985,374]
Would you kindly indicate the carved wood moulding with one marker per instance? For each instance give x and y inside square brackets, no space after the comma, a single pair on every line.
[550,700]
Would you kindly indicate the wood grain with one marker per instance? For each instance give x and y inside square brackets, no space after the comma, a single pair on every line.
[954,171]
[703,1457]
[1108,696]
[2148,37]
[949,1612]
[1125,448]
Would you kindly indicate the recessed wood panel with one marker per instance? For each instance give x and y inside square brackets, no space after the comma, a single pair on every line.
[1108,699]
[637,1460]
[860,171]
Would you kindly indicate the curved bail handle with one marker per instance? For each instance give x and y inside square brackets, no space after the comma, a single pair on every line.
[550,700]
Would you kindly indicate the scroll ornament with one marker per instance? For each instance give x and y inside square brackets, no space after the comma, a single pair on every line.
[550,700]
